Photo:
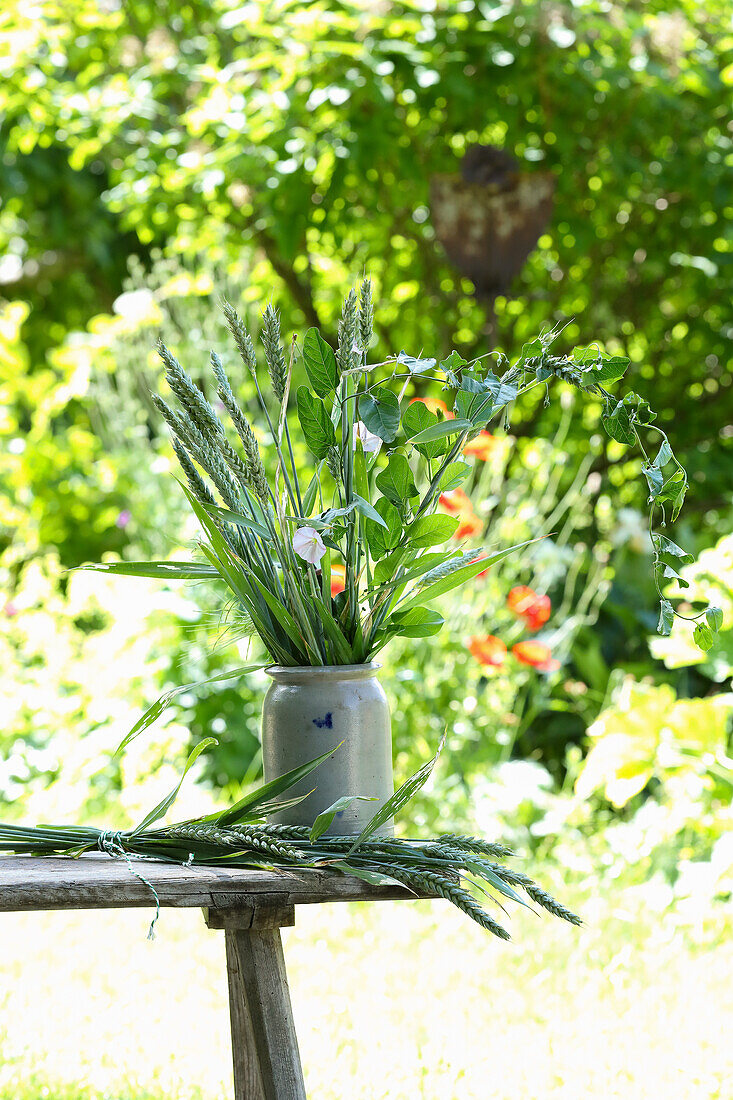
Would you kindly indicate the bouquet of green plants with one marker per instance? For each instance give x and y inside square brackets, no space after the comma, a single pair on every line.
[449,866]
[329,562]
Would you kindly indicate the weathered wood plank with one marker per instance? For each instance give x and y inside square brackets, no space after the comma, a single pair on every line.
[247,1080]
[100,882]
[264,1043]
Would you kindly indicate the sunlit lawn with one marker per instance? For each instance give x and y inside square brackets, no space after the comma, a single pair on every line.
[393,1000]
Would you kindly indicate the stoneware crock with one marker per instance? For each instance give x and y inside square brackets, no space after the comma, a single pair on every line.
[310,710]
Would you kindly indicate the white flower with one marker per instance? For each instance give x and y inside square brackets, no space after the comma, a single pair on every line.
[371,443]
[308,545]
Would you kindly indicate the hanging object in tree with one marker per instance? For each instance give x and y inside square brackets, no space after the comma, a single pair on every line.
[490,217]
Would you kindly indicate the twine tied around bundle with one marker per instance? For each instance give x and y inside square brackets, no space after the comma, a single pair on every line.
[111,843]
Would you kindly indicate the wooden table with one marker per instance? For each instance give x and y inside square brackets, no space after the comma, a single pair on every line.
[250,907]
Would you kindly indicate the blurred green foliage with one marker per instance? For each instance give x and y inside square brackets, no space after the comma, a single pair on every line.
[284,147]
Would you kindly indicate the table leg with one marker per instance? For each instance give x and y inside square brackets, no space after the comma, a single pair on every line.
[264,1043]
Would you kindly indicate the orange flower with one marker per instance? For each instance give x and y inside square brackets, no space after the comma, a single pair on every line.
[469,524]
[338,579]
[455,502]
[538,614]
[435,405]
[488,649]
[537,655]
[482,447]
[525,602]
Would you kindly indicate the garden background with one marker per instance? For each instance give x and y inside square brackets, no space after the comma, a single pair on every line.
[156,156]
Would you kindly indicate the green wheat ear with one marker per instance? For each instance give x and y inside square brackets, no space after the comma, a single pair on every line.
[274,353]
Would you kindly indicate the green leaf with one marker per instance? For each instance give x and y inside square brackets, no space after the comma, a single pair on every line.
[714,617]
[238,520]
[382,537]
[315,421]
[365,509]
[381,414]
[158,570]
[453,362]
[503,393]
[415,366]
[476,408]
[665,546]
[325,819]
[600,369]
[654,479]
[385,572]
[396,481]
[309,497]
[417,622]
[282,615]
[320,363]
[703,636]
[431,530]
[664,454]
[399,799]
[453,475]
[459,576]
[374,878]
[417,418]
[163,702]
[666,618]
[162,808]
[249,805]
[441,430]
[667,573]
[618,424]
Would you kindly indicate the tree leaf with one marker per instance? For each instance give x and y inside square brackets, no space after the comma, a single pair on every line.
[381,415]
[315,421]
[320,363]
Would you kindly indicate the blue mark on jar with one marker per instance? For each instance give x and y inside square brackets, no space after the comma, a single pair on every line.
[324,723]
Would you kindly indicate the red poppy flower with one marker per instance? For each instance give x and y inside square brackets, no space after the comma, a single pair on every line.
[537,655]
[338,579]
[455,502]
[488,649]
[482,447]
[469,524]
[533,608]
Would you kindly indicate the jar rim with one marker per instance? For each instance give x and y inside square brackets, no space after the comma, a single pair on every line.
[308,673]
